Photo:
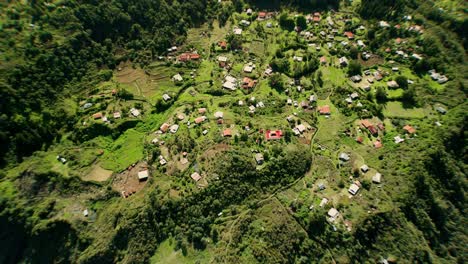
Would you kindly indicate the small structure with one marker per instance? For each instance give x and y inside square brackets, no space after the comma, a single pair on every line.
[353,189]
[237,31]
[349,35]
[398,139]
[273,134]
[364,168]
[441,110]
[248,83]
[117,115]
[177,78]
[85,213]
[143,175]
[227,132]
[377,144]
[377,178]
[174,129]
[333,213]
[248,68]
[219,115]
[200,119]
[135,112]
[323,60]
[166,97]
[343,61]
[188,57]
[164,127]
[392,84]
[409,129]
[97,116]
[344,156]
[324,110]
[259,158]
[202,110]
[323,202]
[196,176]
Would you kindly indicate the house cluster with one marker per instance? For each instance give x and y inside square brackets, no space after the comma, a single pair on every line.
[440,78]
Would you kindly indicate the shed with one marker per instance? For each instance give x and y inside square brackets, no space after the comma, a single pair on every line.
[353,189]
[143,175]
[196,176]
[333,213]
[364,168]
[259,158]
[377,178]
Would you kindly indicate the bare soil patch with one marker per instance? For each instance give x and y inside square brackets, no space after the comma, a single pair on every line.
[128,181]
[98,174]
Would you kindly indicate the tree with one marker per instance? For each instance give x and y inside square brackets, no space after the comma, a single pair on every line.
[301,22]
[402,81]
[381,94]
[276,82]
[353,52]
[409,96]
[354,68]
[286,22]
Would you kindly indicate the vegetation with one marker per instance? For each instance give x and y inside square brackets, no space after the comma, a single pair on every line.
[250,139]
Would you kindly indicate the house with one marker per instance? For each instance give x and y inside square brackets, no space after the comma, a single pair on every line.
[364,168]
[143,175]
[268,71]
[85,213]
[188,57]
[248,68]
[252,109]
[344,156]
[324,110]
[248,83]
[200,119]
[244,23]
[349,100]
[416,56]
[174,129]
[87,105]
[202,110]
[323,202]
[395,69]
[261,15]
[343,61]
[117,115]
[301,128]
[166,97]
[290,118]
[135,112]
[260,104]
[441,110]
[219,115]
[378,76]
[359,140]
[269,25]
[313,98]
[164,127]
[398,139]
[249,11]
[333,213]
[237,31]
[353,189]
[177,78]
[273,134]
[361,43]
[321,186]
[392,84]
[354,96]
[323,60]
[162,160]
[222,59]
[195,176]
[227,132]
[222,45]
[181,116]
[349,35]
[377,144]
[356,78]
[384,24]
[305,104]
[229,85]
[289,101]
[409,129]
[259,158]
[377,178]
[97,116]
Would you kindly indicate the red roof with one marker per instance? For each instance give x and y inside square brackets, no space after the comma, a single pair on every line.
[261,14]
[97,115]
[377,144]
[398,40]
[372,129]
[381,126]
[200,119]
[248,83]
[409,129]
[349,34]
[201,110]
[324,110]
[366,123]
[164,127]
[316,18]
[227,132]
[188,56]
[359,139]
[222,44]
[271,135]
[323,59]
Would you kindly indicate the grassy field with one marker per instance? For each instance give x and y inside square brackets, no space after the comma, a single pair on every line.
[165,254]
[396,109]
[123,152]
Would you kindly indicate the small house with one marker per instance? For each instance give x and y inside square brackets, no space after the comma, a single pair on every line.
[227,132]
[97,116]
[344,156]
[117,115]
[164,127]
[196,176]
[343,61]
[377,144]
[166,97]
[398,139]
[333,213]
[259,158]
[323,60]
[143,175]
[324,110]
[229,85]
[364,168]
[392,84]
[377,178]
[173,129]
[177,78]
[353,189]
[219,115]
[349,35]
[273,134]
[409,129]
[248,68]
[237,31]
[202,110]
[200,119]
[323,202]
[135,112]
[441,110]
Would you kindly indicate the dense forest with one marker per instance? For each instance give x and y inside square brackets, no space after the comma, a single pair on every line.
[77,45]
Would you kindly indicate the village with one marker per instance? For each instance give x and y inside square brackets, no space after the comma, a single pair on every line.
[253,83]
